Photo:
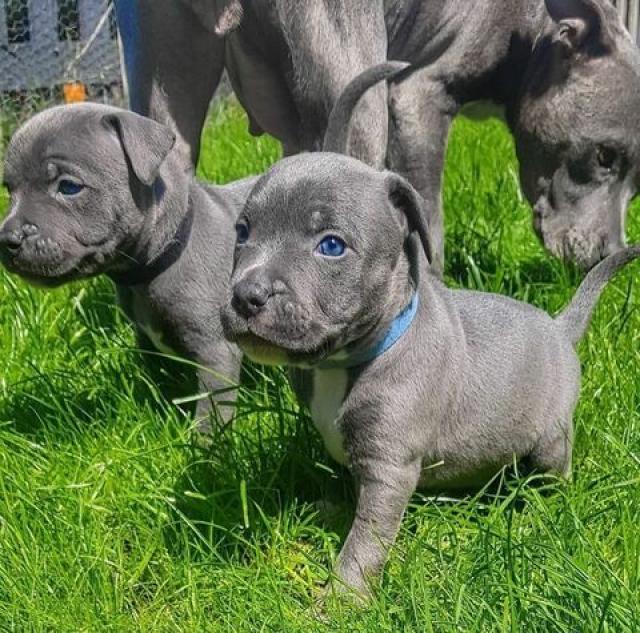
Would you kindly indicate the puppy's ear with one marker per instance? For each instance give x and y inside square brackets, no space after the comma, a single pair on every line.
[145,142]
[580,25]
[409,203]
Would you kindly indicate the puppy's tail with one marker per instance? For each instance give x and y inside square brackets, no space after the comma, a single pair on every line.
[336,137]
[575,318]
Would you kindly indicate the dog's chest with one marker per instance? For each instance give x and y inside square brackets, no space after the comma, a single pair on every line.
[329,391]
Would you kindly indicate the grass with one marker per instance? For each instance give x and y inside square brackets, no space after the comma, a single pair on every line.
[112,520]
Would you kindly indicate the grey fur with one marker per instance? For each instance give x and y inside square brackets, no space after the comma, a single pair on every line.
[551,66]
[478,380]
[136,197]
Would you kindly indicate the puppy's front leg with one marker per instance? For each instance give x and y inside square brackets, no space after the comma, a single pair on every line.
[384,491]
[219,406]
[209,408]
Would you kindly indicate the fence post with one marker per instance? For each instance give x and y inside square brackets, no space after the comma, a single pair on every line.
[634,19]
[622,9]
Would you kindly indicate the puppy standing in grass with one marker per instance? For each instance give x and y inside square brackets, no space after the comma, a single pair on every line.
[99,190]
[411,384]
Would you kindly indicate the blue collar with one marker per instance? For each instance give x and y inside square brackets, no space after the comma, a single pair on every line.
[396,331]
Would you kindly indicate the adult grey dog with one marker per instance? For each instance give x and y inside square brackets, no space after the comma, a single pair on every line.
[410,383]
[99,190]
[565,71]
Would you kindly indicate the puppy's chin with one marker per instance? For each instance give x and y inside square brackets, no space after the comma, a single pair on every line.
[44,283]
[263,352]
[53,273]
[271,351]
[49,279]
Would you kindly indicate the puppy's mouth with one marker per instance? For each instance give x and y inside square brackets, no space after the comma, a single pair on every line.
[47,265]
[270,346]
[567,241]
[262,351]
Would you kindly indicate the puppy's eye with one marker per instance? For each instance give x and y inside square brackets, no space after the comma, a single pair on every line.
[69,188]
[331,246]
[606,157]
[242,232]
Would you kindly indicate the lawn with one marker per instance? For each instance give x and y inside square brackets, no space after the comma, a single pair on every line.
[112,519]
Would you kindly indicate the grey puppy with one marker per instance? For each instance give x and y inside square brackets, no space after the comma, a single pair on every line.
[411,384]
[551,66]
[99,190]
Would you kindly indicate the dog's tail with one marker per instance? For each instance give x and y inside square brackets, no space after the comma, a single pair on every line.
[574,319]
[336,137]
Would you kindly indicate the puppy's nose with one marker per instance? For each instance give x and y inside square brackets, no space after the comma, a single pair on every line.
[250,296]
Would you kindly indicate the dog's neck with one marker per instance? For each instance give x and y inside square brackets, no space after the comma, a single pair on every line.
[513,70]
[361,354]
[399,308]
[165,230]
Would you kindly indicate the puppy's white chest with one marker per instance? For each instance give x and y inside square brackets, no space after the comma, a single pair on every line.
[143,316]
[329,390]
[155,336]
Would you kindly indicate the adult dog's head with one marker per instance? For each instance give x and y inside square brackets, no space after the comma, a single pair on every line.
[577,130]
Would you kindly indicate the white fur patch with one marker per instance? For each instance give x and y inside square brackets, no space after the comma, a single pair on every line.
[156,338]
[329,390]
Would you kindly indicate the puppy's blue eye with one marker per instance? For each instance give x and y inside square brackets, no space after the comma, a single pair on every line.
[331,246]
[69,188]
[242,232]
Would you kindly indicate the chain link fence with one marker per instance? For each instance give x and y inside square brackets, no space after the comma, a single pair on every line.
[52,51]
[629,11]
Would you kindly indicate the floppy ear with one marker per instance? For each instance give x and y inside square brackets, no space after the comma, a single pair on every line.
[405,199]
[578,23]
[145,142]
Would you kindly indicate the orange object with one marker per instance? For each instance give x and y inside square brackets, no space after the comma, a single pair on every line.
[74,92]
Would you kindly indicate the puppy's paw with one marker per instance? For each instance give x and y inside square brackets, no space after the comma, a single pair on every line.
[337,592]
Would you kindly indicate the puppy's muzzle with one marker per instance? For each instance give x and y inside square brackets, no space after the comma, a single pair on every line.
[250,296]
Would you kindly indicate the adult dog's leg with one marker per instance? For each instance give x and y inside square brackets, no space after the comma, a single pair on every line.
[330,44]
[420,117]
[173,66]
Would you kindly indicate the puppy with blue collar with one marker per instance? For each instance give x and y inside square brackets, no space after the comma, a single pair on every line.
[411,384]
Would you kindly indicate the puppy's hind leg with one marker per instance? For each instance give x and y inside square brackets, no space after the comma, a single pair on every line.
[552,453]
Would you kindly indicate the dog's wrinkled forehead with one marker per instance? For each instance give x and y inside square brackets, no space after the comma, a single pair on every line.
[70,136]
[598,103]
[313,191]
[616,108]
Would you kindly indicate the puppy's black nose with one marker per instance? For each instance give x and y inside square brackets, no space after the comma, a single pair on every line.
[250,296]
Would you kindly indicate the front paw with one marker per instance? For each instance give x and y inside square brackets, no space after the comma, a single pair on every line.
[347,585]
